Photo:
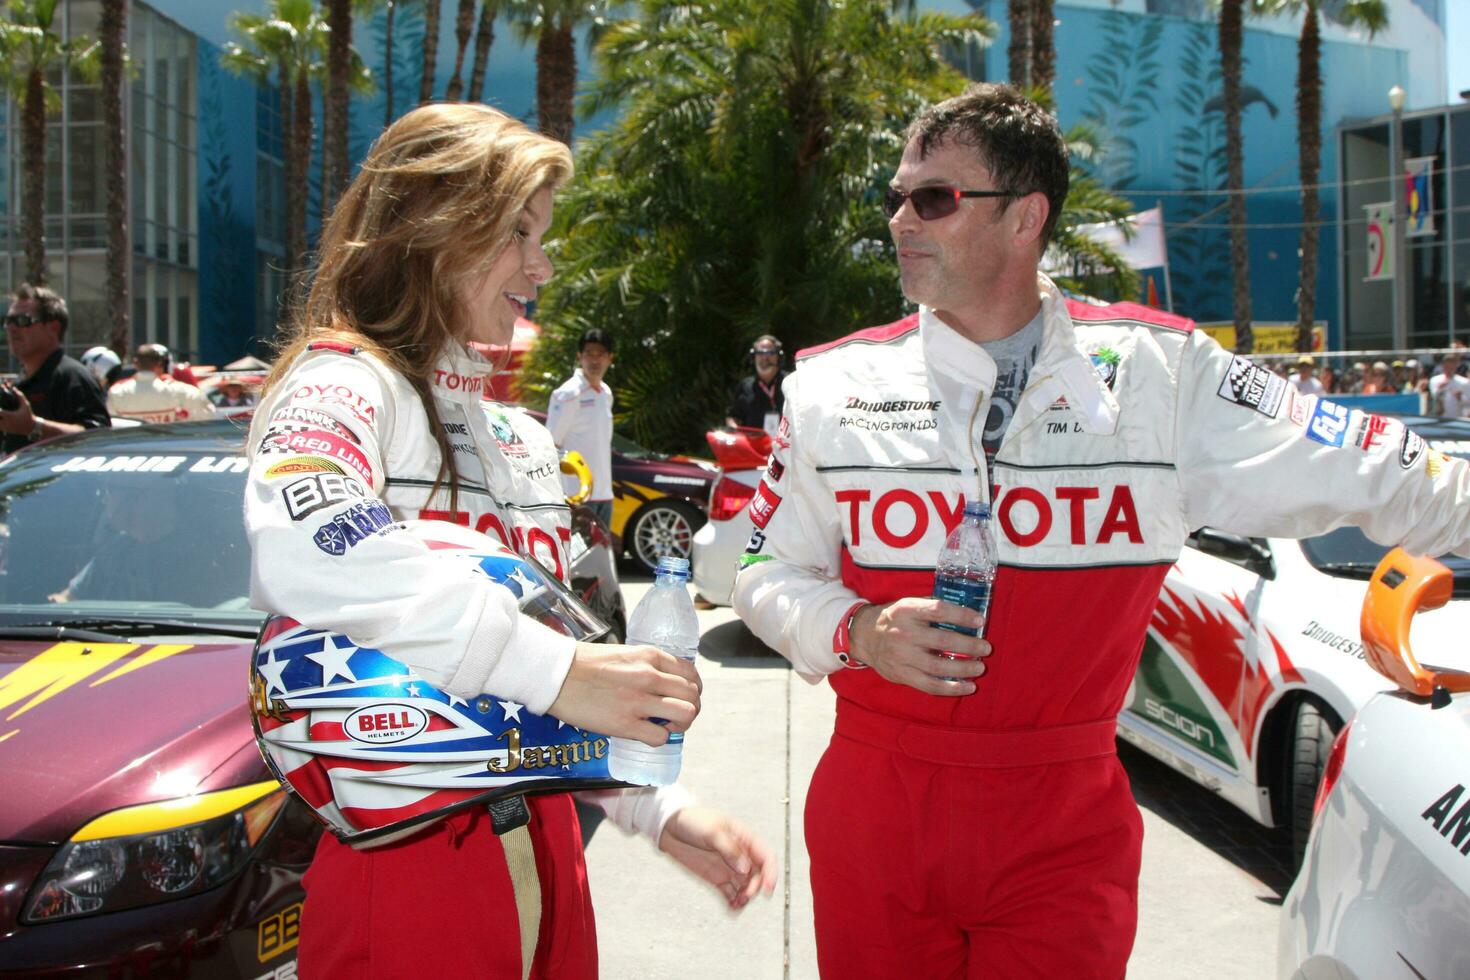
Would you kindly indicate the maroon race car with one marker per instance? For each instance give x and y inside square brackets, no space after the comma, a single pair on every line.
[140,831]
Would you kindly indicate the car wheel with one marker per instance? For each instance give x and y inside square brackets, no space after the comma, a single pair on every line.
[662,528]
[1315,728]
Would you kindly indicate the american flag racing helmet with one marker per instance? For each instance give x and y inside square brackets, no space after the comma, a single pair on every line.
[375,750]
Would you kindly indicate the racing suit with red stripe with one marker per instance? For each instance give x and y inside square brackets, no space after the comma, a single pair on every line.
[995,834]
[439,903]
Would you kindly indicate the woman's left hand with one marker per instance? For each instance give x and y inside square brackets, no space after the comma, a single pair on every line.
[722,851]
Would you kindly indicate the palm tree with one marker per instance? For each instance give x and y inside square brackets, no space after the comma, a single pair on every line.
[290,40]
[346,73]
[551,24]
[1372,14]
[484,37]
[114,30]
[464,26]
[1231,35]
[1018,48]
[738,189]
[1043,47]
[431,50]
[388,64]
[29,50]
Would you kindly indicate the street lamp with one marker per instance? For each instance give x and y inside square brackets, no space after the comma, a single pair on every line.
[1400,218]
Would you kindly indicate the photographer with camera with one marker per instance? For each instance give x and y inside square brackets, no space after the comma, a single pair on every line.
[756,401]
[57,394]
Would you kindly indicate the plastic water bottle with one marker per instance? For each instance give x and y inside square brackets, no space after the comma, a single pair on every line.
[965,570]
[665,619]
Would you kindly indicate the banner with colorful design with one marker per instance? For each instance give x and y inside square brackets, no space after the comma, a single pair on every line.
[1379,218]
[1418,197]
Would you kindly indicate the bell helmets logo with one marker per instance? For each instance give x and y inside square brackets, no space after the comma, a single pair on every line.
[385,724]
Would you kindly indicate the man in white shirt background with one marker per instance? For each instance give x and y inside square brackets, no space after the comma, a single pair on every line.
[151,395]
[1304,381]
[1449,391]
[580,418]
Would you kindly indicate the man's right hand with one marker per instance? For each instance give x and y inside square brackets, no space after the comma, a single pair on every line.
[899,642]
[614,690]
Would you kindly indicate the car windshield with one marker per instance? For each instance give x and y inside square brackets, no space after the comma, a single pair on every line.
[124,534]
[631,449]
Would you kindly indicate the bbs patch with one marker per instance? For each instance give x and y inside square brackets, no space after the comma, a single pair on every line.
[1253,387]
[310,494]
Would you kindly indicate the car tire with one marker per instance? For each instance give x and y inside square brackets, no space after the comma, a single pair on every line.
[663,527]
[1313,731]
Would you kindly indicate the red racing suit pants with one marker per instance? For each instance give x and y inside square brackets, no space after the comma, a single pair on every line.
[440,904]
[943,852]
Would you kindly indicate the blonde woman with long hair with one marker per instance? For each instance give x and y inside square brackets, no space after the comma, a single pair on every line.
[376,402]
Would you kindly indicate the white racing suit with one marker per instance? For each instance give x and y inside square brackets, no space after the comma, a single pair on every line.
[336,510]
[998,829]
[150,397]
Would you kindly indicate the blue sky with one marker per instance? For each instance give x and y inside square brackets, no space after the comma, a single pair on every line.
[1457,32]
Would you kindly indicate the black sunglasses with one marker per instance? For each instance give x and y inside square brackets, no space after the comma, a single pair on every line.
[21,320]
[933,202]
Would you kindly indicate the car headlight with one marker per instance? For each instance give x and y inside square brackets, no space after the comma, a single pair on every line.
[155,852]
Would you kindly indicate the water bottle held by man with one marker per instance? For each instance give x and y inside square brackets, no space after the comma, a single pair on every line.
[966,567]
[665,619]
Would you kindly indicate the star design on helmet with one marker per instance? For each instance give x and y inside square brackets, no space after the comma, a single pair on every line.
[512,710]
[333,658]
[413,690]
[272,669]
[456,701]
[526,583]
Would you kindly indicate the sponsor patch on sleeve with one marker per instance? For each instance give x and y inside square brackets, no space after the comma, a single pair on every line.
[775,469]
[1328,424]
[763,505]
[300,418]
[1253,387]
[302,464]
[783,433]
[1411,447]
[1372,431]
[314,442]
[353,526]
[311,493]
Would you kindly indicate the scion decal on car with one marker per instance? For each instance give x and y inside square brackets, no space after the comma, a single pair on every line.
[1211,640]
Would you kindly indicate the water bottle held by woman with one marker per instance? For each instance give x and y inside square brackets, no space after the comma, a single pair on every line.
[965,569]
[665,618]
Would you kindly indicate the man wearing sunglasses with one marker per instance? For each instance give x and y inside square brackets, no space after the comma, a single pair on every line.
[970,816]
[57,394]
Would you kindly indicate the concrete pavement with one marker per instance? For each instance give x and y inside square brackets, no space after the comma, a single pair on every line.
[1203,911]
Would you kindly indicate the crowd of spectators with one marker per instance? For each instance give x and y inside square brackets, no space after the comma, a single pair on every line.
[1438,377]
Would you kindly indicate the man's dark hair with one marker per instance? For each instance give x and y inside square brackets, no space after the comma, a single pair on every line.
[595,335]
[49,305]
[151,357]
[1017,140]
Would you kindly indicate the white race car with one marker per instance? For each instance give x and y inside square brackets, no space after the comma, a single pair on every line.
[1385,888]
[1252,661]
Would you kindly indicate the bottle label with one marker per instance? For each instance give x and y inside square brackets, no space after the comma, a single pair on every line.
[970,593]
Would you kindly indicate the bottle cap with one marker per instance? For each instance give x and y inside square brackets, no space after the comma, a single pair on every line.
[977,508]
[669,565]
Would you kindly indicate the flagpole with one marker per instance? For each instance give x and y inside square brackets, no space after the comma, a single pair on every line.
[1164,234]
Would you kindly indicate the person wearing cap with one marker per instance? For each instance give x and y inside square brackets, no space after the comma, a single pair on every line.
[152,396]
[105,366]
[1377,382]
[1305,383]
[579,416]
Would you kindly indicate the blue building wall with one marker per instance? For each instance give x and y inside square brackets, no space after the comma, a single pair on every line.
[227,209]
[1151,84]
